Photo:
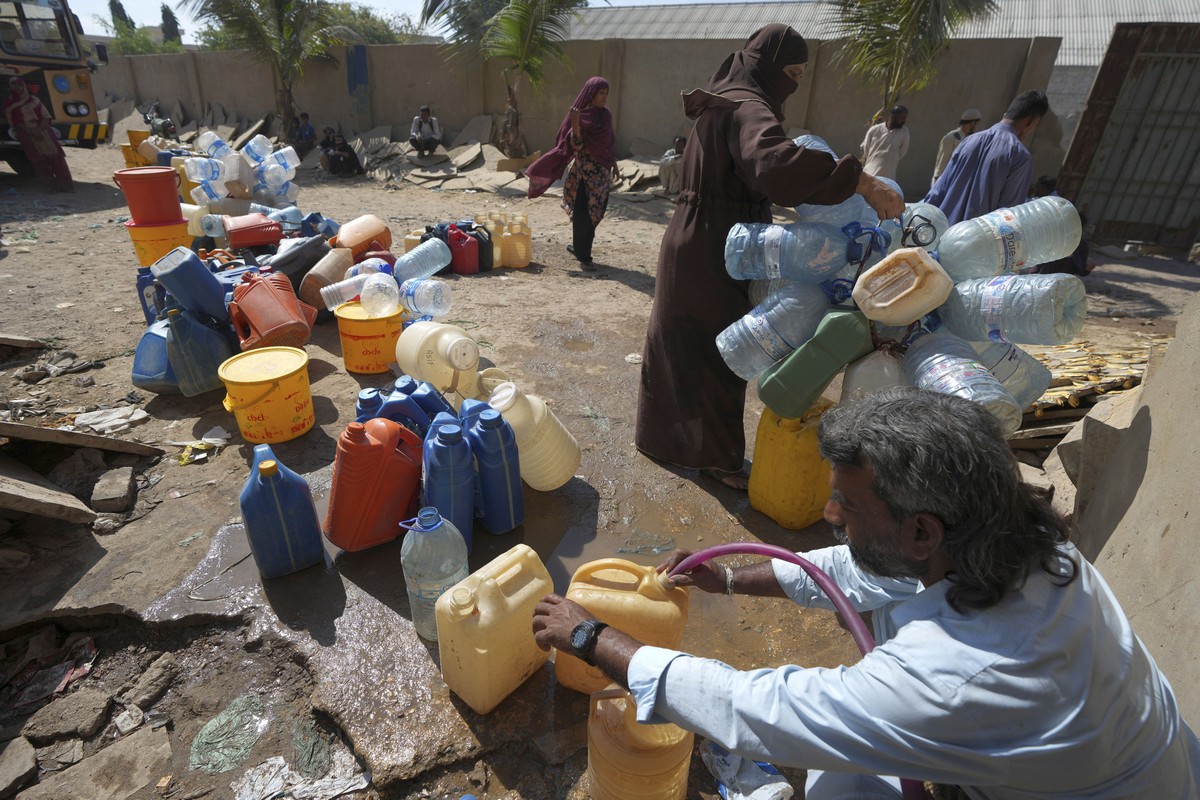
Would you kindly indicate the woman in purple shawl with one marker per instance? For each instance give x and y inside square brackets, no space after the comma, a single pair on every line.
[585,139]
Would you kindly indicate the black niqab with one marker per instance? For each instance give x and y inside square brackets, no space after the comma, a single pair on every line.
[756,71]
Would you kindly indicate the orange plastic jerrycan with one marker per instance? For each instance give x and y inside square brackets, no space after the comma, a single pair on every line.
[790,481]
[376,475]
[631,761]
[630,597]
[358,233]
[485,639]
[265,312]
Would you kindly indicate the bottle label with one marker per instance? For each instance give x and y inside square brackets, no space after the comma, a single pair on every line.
[760,328]
[772,247]
[991,307]
[1010,242]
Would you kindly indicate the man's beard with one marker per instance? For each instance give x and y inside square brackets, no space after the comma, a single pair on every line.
[880,556]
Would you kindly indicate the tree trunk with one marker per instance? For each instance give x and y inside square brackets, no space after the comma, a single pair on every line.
[511,140]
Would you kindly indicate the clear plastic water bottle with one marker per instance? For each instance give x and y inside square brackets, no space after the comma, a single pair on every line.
[257,149]
[428,258]
[205,192]
[204,169]
[804,251]
[775,327]
[1022,375]
[379,296]
[854,209]
[434,558]
[335,294]
[760,289]
[286,158]
[425,297]
[273,176]
[1027,309]
[288,192]
[213,226]
[213,145]
[261,208]
[1010,239]
[942,362]
[369,266]
[811,141]
[923,225]
[290,218]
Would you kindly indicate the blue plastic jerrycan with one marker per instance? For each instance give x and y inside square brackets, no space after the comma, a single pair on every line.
[151,295]
[448,482]
[470,410]
[280,516]
[367,405]
[191,283]
[151,367]
[430,399]
[500,500]
[400,407]
[195,351]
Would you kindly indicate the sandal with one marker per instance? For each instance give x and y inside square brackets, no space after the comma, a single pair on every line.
[738,480]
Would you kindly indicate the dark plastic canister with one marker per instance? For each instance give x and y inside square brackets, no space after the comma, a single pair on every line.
[494,447]
[281,519]
[449,479]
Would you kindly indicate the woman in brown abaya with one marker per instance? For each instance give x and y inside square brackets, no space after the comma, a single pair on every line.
[736,164]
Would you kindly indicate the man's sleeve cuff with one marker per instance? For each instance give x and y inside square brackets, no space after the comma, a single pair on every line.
[645,673]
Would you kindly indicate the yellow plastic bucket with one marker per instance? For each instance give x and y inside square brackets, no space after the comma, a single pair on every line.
[368,343]
[152,242]
[267,391]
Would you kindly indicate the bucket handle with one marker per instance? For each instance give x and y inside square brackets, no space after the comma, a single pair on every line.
[228,401]
[117,174]
[618,564]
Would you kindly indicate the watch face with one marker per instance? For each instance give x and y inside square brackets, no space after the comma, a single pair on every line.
[580,636]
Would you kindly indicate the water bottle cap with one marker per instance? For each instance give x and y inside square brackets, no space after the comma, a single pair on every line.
[450,434]
[268,468]
[489,418]
[406,384]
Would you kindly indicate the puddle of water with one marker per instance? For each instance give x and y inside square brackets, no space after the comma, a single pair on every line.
[577,346]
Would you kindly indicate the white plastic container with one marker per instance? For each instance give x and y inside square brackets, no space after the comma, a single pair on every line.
[549,453]
[485,639]
[903,287]
[444,355]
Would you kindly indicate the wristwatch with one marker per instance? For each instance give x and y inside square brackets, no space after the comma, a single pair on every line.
[583,639]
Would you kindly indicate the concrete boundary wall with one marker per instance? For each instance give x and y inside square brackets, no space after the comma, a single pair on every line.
[366,86]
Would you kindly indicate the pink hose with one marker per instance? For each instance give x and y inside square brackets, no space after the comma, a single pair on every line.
[913,790]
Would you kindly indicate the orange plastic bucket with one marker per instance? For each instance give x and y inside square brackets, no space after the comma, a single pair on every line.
[152,194]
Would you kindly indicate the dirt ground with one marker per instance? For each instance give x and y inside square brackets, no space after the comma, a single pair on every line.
[572,337]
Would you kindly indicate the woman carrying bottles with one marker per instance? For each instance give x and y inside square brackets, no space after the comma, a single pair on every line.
[738,162]
[585,139]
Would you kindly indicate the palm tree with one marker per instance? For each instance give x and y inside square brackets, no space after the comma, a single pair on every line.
[526,33]
[894,43]
[284,34]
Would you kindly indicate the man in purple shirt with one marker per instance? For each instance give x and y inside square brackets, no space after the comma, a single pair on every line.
[992,169]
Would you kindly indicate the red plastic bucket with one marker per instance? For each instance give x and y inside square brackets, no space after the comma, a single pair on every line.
[151,194]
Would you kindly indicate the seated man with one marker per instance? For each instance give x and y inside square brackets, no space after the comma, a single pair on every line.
[668,165]
[1005,664]
[304,138]
[426,134]
[337,156]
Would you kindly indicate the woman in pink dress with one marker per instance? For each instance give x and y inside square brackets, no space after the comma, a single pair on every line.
[30,122]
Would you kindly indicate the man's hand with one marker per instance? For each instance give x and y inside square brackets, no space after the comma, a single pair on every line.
[554,619]
[885,200]
[708,577]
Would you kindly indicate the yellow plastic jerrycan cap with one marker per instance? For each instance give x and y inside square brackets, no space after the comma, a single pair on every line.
[462,601]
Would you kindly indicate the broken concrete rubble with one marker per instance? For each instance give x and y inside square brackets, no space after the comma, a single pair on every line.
[114,491]
[18,765]
[115,773]
[153,682]
[79,714]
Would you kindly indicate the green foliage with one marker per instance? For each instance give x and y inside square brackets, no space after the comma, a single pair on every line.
[119,16]
[282,34]
[213,37]
[529,34]
[170,25]
[370,28]
[128,41]
[894,43]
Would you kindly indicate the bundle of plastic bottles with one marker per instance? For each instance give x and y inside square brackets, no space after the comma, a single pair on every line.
[266,175]
[955,296]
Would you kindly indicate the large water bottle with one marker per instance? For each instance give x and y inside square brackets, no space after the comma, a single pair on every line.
[426,259]
[204,169]
[212,225]
[290,218]
[213,145]
[425,297]
[942,362]
[206,192]
[1022,375]
[273,176]
[257,149]
[379,296]
[434,558]
[288,192]
[285,157]
[343,291]
[775,327]
[1027,309]
[804,251]
[1010,239]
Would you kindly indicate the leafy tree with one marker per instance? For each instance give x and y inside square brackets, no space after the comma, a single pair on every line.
[528,34]
[170,25]
[894,43]
[372,28]
[120,19]
[212,37]
[130,41]
[283,34]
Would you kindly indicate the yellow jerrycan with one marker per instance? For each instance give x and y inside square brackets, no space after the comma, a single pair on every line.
[632,598]
[485,630]
[789,481]
[629,761]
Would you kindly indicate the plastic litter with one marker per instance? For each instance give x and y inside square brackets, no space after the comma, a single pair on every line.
[741,778]
[274,778]
[226,739]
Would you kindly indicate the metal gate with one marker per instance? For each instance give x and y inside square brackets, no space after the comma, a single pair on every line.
[1134,164]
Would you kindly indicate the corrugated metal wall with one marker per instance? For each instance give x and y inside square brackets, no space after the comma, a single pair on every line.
[1134,164]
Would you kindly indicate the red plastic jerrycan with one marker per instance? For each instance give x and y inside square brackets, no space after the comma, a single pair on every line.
[265,312]
[376,477]
[464,252]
